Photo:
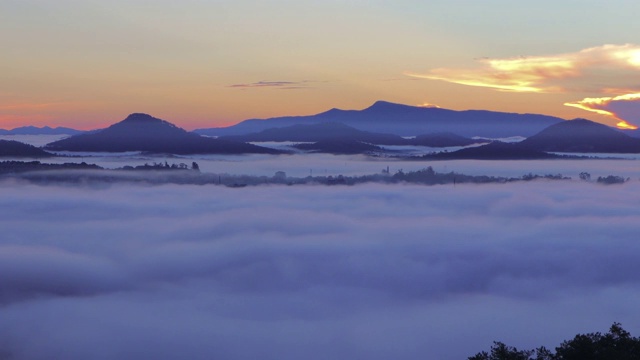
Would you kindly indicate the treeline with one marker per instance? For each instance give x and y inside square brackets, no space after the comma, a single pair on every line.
[8,167]
[160,173]
[617,344]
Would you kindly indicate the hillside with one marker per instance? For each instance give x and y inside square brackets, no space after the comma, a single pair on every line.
[444,139]
[493,151]
[584,136]
[339,147]
[11,148]
[319,132]
[142,132]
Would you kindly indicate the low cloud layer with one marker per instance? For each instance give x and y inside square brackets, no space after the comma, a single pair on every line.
[284,85]
[606,69]
[312,272]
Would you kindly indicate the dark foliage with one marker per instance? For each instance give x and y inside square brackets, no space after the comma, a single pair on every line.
[611,179]
[165,173]
[617,344]
[14,167]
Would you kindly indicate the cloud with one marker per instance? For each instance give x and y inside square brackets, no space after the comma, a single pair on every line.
[33,271]
[428,105]
[540,74]
[602,69]
[622,108]
[283,85]
[372,271]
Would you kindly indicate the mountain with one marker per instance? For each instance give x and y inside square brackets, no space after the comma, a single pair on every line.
[11,148]
[444,139]
[633,133]
[405,120]
[495,150]
[339,147]
[142,132]
[319,132]
[580,135]
[46,130]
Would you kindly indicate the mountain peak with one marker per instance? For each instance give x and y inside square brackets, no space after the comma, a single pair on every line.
[385,107]
[146,120]
[381,104]
[141,117]
[583,121]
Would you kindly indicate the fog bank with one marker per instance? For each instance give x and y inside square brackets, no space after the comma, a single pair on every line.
[370,271]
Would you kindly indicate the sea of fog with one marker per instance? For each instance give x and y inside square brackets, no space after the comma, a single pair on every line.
[314,272]
[301,165]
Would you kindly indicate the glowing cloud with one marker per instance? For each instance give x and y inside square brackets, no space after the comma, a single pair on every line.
[621,108]
[284,85]
[546,74]
[428,105]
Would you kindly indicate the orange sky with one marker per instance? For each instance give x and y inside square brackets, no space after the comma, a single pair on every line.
[204,64]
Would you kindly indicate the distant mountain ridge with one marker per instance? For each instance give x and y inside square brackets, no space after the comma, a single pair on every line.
[319,132]
[45,130]
[330,131]
[406,120]
[143,132]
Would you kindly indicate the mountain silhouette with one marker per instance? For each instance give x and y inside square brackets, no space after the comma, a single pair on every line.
[319,132]
[328,131]
[405,120]
[45,130]
[339,147]
[444,139]
[581,135]
[495,150]
[12,148]
[142,132]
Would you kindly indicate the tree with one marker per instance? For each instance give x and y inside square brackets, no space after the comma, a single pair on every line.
[500,351]
[617,344]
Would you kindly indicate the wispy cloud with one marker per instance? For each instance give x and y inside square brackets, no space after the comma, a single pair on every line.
[622,108]
[541,74]
[283,85]
[606,69]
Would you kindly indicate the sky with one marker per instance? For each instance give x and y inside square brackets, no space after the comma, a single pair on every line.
[314,272]
[207,63]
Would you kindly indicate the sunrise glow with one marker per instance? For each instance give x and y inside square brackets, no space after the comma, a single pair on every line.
[612,107]
[319,179]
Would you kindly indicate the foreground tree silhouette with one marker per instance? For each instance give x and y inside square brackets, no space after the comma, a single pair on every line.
[617,344]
